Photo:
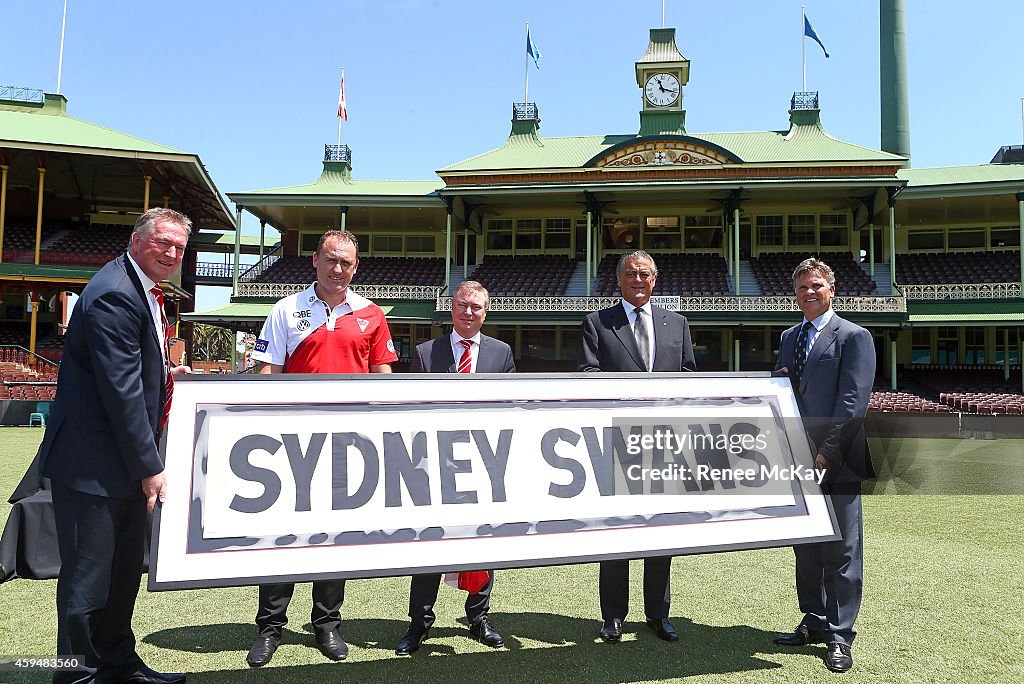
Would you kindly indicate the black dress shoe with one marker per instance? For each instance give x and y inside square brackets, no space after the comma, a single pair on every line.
[664,629]
[611,631]
[801,636]
[147,675]
[839,658]
[410,643]
[482,631]
[332,645]
[262,650]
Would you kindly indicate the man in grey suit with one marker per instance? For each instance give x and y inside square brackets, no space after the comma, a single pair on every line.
[635,336]
[831,364]
[465,350]
[101,453]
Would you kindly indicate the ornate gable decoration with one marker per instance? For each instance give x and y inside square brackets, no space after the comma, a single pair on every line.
[662,153]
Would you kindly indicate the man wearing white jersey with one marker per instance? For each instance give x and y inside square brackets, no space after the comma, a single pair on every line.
[324,329]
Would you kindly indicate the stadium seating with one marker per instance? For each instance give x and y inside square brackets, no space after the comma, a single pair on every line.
[884,401]
[678,274]
[774,273]
[957,267]
[88,245]
[972,389]
[535,275]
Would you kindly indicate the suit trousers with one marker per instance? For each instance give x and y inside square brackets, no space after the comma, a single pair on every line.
[830,575]
[100,540]
[614,588]
[423,596]
[272,616]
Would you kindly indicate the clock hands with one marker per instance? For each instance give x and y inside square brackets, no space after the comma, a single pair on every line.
[662,87]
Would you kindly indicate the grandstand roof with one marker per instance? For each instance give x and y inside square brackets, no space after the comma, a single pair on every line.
[964,175]
[318,203]
[225,242]
[336,180]
[107,166]
[49,125]
[802,144]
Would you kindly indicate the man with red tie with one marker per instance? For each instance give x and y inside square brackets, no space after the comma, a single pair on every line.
[465,350]
[324,329]
[100,450]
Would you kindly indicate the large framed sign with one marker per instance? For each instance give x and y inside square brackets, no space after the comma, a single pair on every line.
[299,477]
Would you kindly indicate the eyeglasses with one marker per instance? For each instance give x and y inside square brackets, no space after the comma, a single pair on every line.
[642,275]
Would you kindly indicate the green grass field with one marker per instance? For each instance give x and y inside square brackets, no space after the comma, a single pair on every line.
[943,602]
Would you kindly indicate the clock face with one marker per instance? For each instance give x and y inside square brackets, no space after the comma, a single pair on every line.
[662,89]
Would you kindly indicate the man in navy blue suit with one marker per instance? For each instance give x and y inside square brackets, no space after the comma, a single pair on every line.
[831,364]
[635,336]
[100,450]
[465,350]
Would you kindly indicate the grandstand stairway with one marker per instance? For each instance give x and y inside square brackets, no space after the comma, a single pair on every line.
[749,287]
[882,279]
[577,286]
[456,277]
[49,242]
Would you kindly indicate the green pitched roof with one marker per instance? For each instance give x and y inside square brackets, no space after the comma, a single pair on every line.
[804,143]
[336,181]
[48,124]
[955,175]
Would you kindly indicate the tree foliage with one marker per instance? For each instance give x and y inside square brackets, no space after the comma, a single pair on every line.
[210,343]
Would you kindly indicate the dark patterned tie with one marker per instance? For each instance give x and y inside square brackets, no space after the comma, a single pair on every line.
[168,378]
[642,340]
[800,354]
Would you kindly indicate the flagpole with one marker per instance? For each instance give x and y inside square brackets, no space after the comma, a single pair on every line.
[526,67]
[346,104]
[60,60]
[803,42]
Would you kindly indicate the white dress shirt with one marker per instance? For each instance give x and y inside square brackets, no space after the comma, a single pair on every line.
[154,306]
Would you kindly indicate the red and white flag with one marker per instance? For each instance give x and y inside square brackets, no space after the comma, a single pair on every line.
[342,109]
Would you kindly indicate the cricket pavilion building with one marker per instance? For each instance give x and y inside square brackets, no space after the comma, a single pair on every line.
[928,260]
[70,192]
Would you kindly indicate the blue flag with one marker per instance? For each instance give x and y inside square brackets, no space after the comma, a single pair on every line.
[532,50]
[809,32]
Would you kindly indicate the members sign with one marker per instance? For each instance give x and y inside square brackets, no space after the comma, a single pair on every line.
[297,477]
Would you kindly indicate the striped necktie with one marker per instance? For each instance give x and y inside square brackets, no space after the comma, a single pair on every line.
[643,340]
[168,378]
[800,353]
[466,360]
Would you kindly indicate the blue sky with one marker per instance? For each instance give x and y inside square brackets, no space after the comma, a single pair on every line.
[252,87]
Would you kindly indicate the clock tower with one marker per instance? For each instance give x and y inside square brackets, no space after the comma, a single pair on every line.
[661,74]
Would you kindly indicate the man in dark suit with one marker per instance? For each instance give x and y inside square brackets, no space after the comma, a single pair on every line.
[635,336]
[100,450]
[465,350]
[831,364]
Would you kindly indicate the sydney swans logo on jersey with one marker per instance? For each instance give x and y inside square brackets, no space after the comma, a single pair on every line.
[363,323]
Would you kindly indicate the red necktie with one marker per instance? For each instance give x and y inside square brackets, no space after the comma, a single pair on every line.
[466,360]
[472,581]
[168,379]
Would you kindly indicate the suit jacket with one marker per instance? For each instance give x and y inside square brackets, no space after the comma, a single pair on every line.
[833,394]
[101,438]
[607,342]
[436,356]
